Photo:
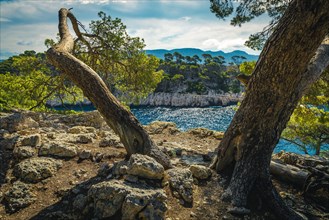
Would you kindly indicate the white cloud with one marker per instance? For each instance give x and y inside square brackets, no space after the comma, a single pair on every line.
[186,18]
[163,24]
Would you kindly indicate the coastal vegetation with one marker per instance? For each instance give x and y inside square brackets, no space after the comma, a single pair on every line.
[106,64]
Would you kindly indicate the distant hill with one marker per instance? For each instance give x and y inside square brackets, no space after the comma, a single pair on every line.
[193,51]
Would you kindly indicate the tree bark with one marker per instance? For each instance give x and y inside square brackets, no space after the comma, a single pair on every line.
[126,126]
[291,60]
[290,174]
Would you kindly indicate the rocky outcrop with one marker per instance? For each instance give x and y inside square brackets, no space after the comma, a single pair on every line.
[18,196]
[134,201]
[35,169]
[58,150]
[190,100]
[200,172]
[145,166]
[181,182]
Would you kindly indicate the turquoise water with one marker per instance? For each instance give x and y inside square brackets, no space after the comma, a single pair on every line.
[214,118]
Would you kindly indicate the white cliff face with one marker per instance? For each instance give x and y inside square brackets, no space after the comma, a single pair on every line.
[190,100]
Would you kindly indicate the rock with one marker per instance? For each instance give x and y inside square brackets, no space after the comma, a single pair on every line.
[32,140]
[181,99]
[120,168]
[84,139]
[218,135]
[107,198]
[80,202]
[51,135]
[111,141]
[98,157]
[24,152]
[145,166]
[81,129]
[131,178]
[158,127]
[58,150]
[150,205]
[85,154]
[9,143]
[19,196]
[201,132]
[181,181]
[111,196]
[33,170]
[200,172]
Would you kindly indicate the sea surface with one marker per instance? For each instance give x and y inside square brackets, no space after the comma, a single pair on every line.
[214,118]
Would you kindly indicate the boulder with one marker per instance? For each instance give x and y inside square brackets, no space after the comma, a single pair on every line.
[58,150]
[24,152]
[31,140]
[85,154]
[181,182]
[134,202]
[159,127]
[145,166]
[84,139]
[35,169]
[18,196]
[200,172]
[201,132]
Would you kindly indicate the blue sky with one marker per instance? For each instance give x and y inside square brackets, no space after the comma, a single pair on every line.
[164,24]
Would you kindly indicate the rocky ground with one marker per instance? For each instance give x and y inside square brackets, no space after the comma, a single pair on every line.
[73,167]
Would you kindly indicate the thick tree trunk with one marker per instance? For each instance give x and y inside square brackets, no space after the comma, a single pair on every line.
[130,131]
[283,72]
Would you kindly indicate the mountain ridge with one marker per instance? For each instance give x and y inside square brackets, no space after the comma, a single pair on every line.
[195,51]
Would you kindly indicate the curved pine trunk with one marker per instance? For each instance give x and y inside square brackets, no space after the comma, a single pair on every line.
[125,125]
[291,60]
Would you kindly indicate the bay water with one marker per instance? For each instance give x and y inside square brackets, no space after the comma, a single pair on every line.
[215,118]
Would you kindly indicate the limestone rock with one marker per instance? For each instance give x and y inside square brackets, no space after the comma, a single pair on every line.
[32,140]
[85,154]
[84,139]
[181,182]
[9,143]
[189,100]
[58,150]
[24,152]
[81,129]
[200,172]
[33,170]
[111,141]
[109,197]
[201,132]
[19,196]
[145,166]
[158,127]
[120,168]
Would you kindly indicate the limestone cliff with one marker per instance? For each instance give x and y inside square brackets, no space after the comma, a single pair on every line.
[190,100]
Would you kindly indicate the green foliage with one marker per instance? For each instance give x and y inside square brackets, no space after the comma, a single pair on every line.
[30,82]
[177,77]
[245,11]
[309,124]
[247,67]
[197,87]
[119,59]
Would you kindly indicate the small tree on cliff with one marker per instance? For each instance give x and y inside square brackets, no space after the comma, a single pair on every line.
[130,131]
[294,56]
